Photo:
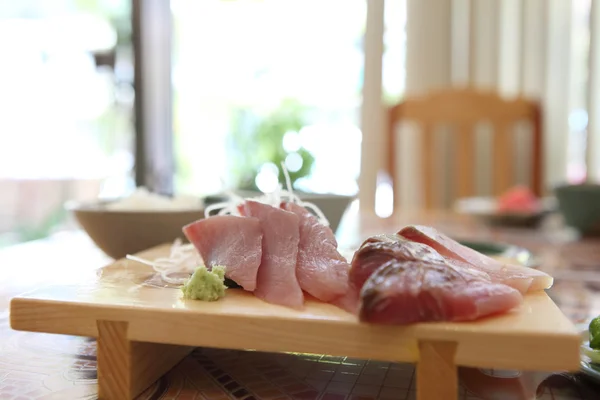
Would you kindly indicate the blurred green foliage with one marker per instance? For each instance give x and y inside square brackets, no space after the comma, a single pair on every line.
[254,143]
[29,232]
[118,12]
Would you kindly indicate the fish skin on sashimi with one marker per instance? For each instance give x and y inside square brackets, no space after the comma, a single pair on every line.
[276,280]
[231,241]
[405,292]
[350,301]
[377,250]
[321,270]
[521,278]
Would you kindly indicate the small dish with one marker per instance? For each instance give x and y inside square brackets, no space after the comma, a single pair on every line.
[486,209]
[120,232]
[580,207]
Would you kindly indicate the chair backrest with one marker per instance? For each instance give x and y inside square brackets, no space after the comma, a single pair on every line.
[463,109]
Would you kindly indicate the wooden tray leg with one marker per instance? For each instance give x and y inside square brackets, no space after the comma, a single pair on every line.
[126,368]
[437,376]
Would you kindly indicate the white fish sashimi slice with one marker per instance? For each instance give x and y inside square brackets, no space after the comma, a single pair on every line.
[520,277]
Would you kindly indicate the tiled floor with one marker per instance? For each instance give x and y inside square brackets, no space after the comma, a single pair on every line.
[272,376]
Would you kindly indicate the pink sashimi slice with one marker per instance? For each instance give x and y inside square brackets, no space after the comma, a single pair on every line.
[521,278]
[276,280]
[349,301]
[405,292]
[321,270]
[231,241]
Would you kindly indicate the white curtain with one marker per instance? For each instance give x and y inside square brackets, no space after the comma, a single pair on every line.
[593,139]
[518,47]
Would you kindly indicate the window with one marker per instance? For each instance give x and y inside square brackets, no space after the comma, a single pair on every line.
[65,131]
[257,83]
[578,115]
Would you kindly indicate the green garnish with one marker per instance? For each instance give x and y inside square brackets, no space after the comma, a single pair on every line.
[205,285]
[594,330]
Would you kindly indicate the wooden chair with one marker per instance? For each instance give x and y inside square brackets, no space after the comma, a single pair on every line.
[463,109]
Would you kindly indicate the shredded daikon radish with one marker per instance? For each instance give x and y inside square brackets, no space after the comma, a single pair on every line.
[275,198]
[183,259]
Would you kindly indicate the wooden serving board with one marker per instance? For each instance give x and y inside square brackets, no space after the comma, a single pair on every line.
[143,331]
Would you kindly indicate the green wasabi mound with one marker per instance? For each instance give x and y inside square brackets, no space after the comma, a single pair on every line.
[205,285]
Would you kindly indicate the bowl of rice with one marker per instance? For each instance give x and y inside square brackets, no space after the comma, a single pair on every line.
[137,222]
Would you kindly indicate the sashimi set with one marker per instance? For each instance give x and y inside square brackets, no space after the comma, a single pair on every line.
[266,274]
[283,253]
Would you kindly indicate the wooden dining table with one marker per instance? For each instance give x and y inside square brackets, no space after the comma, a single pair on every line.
[47,366]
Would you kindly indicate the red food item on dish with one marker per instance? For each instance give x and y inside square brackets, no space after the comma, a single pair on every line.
[519,199]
